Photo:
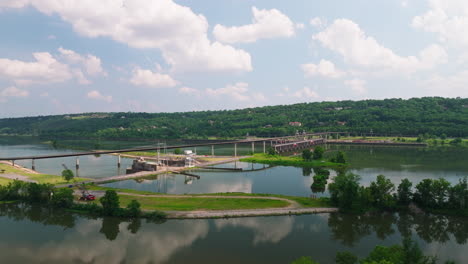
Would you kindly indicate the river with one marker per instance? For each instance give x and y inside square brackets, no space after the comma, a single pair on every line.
[32,234]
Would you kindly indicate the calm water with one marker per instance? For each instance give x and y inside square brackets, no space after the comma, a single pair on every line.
[37,235]
[91,166]
[394,162]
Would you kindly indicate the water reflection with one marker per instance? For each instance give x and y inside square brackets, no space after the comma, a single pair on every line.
[350,229]
[33,234]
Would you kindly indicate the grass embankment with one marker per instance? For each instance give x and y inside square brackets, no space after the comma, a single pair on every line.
[39,178]
[290,161]
[305,202]
[191,203]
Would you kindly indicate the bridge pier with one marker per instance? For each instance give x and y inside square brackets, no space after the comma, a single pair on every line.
[13,163]
[77,163]
[119,161]
[33,165]
[212,150]
[264,147]
[235,149]
[253,147]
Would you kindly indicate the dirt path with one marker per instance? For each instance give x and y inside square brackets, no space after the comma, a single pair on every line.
[13,176]
[293,208]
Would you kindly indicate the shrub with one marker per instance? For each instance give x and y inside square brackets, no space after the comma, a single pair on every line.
[67,175]
[318,152]
[63,198]
[133,209]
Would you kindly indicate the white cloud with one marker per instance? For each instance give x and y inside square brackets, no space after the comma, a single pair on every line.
[51,37]
[91,63]
[357,85]
[450,86]
[13,3]
[98,96]
[176,30]
[346,38]
[317,22]
[266,24]
[45,69]
[188,90]
[13,92]
[325,68]
[447,18]
[148,78]
[238,91]
[306,92]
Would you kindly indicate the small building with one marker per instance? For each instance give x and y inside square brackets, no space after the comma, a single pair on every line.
[142,165]
[295,124]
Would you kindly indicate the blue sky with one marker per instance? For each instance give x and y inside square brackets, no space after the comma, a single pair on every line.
[183,55]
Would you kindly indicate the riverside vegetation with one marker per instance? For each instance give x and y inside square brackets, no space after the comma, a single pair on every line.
[407,253]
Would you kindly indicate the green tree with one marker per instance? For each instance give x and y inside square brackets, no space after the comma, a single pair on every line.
[67,175]
[443,136]
[424,195]
[440,189]
[345,257]
[318,152]
[458,195]
[404,194]
[133,209]
[306,155]
[110,202]
[271,151]
[340,157]
[178,151]
[381,192]
[344,191]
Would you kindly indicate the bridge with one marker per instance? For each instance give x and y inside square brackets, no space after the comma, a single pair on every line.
[280,144]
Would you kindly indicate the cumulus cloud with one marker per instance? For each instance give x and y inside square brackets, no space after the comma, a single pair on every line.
[266,24]
[448,19]
[317,22]
[98,96]
[188,90]
[238,91]
[176,30]
[325,69]
[142,77]
[349,40]
[357,85]
[45,69]
[306,92]
[91,63]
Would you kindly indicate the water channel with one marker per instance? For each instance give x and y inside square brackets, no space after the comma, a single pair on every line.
[37,235]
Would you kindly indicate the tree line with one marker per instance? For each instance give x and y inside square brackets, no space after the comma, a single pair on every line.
[442,117]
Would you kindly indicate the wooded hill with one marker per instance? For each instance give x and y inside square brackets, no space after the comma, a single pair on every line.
[432,115]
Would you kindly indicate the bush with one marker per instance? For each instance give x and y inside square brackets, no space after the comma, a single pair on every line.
[178,151]
[133,209]
[63,198]
[339,158]
[156,216]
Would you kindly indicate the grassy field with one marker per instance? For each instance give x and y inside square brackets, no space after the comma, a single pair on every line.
[40,178]
[199,203]
[302,201]
[289,161]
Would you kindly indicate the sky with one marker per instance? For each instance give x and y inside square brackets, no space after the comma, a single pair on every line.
[75,56]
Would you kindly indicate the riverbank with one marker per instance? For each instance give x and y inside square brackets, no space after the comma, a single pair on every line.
[290,161]
[8,173]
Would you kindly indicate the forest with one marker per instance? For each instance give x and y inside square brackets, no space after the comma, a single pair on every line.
[396,117]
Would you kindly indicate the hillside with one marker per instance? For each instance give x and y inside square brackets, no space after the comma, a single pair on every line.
[432,115]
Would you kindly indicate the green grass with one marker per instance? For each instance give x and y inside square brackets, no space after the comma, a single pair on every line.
[40,178]
[4,181]
[289,161]
[303,201]
[198,203]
